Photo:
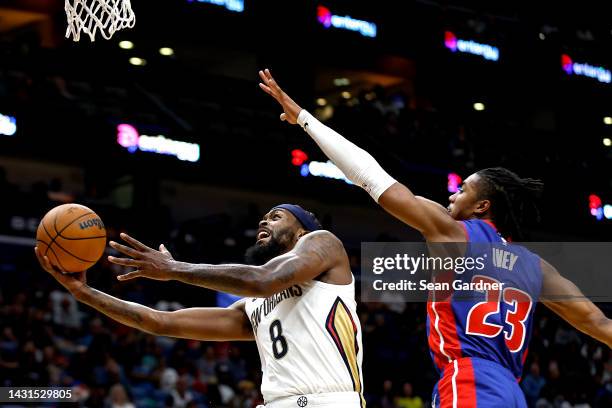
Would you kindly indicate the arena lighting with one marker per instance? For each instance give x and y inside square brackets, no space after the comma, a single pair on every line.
[583,69]
[139,62]
[327,19]
[341,81]
[478,106]
[232,5]
[316,168]
[8,125]
[607,210]
[455,44]
[323,169]
[321,101]
[128,137]
[454,181]
[298,157]
[166,51]
[608,120]
[598,209]
[346,95]
[607,142]
[126,45]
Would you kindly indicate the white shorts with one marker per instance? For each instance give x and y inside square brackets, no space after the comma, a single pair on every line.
[330,399]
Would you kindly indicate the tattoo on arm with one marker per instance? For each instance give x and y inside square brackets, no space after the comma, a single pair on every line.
[287,273]
[246,280]
[237,279]
[128,313]
[325,248]
[320,253]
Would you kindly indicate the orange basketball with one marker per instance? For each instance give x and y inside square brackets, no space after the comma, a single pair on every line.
[72,236]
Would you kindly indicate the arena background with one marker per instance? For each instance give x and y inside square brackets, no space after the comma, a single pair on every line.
[402,95]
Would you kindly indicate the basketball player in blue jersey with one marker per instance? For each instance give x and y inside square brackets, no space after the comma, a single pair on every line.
[299,307]
[478,346]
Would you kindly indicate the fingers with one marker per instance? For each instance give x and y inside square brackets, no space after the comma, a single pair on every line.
[268,74]
[129,275]
[164,250]
[39,256]
[283,117]
[263,76]
[55,268]
[43,260]
[134,242]
[266,89]
[46,263]
[272,82]
[268,80]
[265,80]
[125,250]
[127,262]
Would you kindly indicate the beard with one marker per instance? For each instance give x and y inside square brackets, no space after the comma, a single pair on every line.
[259,254]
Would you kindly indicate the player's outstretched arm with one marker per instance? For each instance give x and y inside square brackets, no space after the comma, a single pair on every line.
[576,309]
[213,324]
[314,254]
[363,170]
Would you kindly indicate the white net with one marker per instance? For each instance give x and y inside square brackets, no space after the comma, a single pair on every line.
[102,17]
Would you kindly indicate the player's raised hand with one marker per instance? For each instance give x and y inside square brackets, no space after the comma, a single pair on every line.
[149,263]
[73,282]
[290,108]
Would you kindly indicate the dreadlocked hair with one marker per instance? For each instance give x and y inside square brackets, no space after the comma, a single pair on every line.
[513,199]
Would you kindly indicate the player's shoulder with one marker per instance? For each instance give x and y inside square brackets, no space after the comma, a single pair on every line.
[321,236]
[323,243]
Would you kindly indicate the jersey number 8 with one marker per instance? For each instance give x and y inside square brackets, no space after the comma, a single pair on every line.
[279,342]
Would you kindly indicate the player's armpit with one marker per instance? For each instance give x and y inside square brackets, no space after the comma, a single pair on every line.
[566,300]
[207,323]
[422,214]
[314,254]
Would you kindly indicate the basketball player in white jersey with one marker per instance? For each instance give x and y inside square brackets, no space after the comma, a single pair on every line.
[300,307]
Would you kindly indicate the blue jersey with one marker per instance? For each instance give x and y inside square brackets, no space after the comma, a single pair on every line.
[470,335]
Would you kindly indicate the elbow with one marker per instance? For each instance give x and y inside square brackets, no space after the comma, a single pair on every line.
[597,319]
[596,325]
[156,324]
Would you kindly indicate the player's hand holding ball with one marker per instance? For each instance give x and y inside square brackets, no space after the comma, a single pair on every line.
[149,263]
[73,282]
[70,239]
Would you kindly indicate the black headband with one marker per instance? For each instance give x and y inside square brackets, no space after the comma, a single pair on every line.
[308,221]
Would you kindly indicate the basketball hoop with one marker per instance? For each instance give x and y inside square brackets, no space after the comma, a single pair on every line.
[94,17]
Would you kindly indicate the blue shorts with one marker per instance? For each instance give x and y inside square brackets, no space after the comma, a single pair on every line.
[474,382]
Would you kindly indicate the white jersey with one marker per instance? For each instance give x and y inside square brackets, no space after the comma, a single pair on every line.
[309,341]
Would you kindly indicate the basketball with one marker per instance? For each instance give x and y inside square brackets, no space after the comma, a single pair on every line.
[72,236]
